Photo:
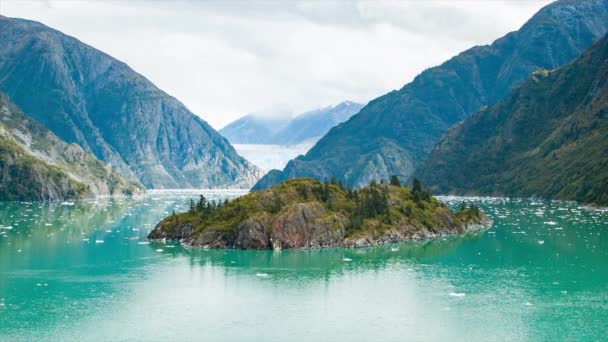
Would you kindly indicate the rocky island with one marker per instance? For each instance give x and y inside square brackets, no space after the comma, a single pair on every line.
[305,213]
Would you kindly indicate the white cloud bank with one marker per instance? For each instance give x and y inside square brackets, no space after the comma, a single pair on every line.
[224,59]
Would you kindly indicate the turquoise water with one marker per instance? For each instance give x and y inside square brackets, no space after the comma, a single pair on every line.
[84,272]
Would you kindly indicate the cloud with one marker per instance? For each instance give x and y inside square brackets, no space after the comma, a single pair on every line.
[224,59]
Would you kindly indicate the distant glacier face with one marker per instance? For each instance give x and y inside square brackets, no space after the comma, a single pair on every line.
[268,157]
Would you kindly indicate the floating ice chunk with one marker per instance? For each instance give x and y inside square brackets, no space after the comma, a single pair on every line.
[458,295]
[347,259]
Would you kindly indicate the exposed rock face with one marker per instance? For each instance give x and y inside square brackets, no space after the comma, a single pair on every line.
[395,132]
[89,98]
[308,222]
[36,165]
[549,138]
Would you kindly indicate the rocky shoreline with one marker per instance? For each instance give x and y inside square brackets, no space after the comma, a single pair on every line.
[245,240]
[305,214]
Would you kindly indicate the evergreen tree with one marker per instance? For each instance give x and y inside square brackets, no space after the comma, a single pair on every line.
[395,180]
[416,186]
[202,204]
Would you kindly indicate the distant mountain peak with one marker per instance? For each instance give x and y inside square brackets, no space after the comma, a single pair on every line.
[305,127]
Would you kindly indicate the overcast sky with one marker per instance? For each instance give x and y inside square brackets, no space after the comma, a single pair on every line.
[224,59]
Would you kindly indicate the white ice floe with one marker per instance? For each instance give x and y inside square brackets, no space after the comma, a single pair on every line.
[458,295]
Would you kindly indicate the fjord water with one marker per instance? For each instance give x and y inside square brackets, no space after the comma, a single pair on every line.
[84,272]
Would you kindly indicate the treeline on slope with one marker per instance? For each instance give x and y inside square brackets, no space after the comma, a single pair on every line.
[549,138]
[376,206]
[394,133]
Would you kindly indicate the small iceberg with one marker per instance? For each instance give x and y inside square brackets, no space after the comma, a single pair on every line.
[457,295]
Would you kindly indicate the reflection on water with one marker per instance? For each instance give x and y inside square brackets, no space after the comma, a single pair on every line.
[68,272]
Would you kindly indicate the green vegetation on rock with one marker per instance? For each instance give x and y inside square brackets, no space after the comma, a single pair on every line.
[305,213]
[36,165]
[549,139]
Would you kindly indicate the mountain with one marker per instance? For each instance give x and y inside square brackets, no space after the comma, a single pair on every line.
[36,165]
[395,132]
[549,138]
[253,129]
[87,97]
[311,126]
[307,127]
